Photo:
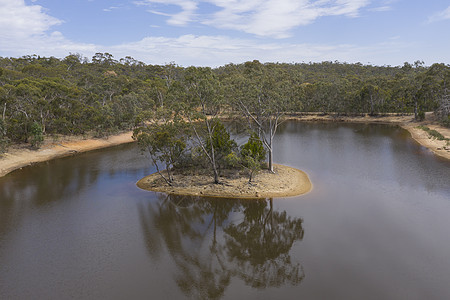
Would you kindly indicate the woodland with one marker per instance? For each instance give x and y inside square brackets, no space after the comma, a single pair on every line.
[180,106]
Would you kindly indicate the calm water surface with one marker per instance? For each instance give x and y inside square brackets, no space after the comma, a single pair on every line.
[375,226]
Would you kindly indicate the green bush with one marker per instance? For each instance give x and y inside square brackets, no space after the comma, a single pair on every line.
[433,133]
[446,122]
[252,154]
[4,141]
[421,116]
[254,148]
[37,137]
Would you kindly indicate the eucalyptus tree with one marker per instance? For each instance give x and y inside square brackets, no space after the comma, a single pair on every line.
[251,156]
[203,103]
[4,140]
[36,135]
[372,96]
[441,75]
[105,59]
[263,93]
[164,139]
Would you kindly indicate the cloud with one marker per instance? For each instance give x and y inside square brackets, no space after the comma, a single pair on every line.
[28,30]
[272,18]
[275,18]
[381,8]
[17,20]
[25,29]
[111,8]
[440,16]
[219,50]
[159,13]
[188,9]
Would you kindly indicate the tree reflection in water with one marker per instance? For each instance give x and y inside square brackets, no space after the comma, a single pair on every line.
[212,240]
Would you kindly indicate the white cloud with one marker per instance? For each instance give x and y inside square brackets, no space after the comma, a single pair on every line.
[111,8]
[381,8]
[273,18]
[17,20]
[53,44]
[25,29]
[188,9]
[28,30]
[440,16]
[219,50]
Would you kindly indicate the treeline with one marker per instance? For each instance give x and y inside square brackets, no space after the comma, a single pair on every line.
[74,95]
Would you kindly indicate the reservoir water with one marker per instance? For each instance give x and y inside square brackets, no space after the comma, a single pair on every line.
[375,226]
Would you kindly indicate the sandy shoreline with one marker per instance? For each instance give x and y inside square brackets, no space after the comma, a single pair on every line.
[407,122]
[19,156]
[285,182]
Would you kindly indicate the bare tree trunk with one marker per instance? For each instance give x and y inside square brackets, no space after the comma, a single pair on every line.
[270,148]
[415,108]
[270,158]
[211,157]
[371,105]
[168,181]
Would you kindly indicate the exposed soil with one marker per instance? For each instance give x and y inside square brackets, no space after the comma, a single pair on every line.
[285,182]
[21,155]
[439,147]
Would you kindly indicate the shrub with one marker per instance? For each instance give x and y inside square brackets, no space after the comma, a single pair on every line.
[4,141]
[37,136]
[252,155]
[421,116]
[433,133]
[446,121]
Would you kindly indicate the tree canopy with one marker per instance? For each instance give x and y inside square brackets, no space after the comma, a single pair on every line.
[75,95]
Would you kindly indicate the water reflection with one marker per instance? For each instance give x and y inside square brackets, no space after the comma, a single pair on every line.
[40,187]
[213,240]
[53,182]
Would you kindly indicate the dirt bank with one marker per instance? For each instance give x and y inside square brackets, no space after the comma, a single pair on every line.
[440,148]
[285,182]
[21,156]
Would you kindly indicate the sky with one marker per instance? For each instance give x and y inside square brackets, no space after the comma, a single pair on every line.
[217,32]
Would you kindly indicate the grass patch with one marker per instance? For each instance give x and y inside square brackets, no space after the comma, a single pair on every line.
[433,133]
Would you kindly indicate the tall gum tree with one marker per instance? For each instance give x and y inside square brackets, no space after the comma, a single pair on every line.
[203,98]
[263,94]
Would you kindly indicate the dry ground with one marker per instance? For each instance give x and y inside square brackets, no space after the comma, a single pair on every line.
[440,148]
[285,182]
[21,156]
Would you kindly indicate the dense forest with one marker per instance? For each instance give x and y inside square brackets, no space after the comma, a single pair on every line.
[74,95]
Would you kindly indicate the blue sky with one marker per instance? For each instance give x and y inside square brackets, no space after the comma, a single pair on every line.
[217,32]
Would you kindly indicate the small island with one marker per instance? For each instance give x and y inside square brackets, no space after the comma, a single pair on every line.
[194,153]
[284,182]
